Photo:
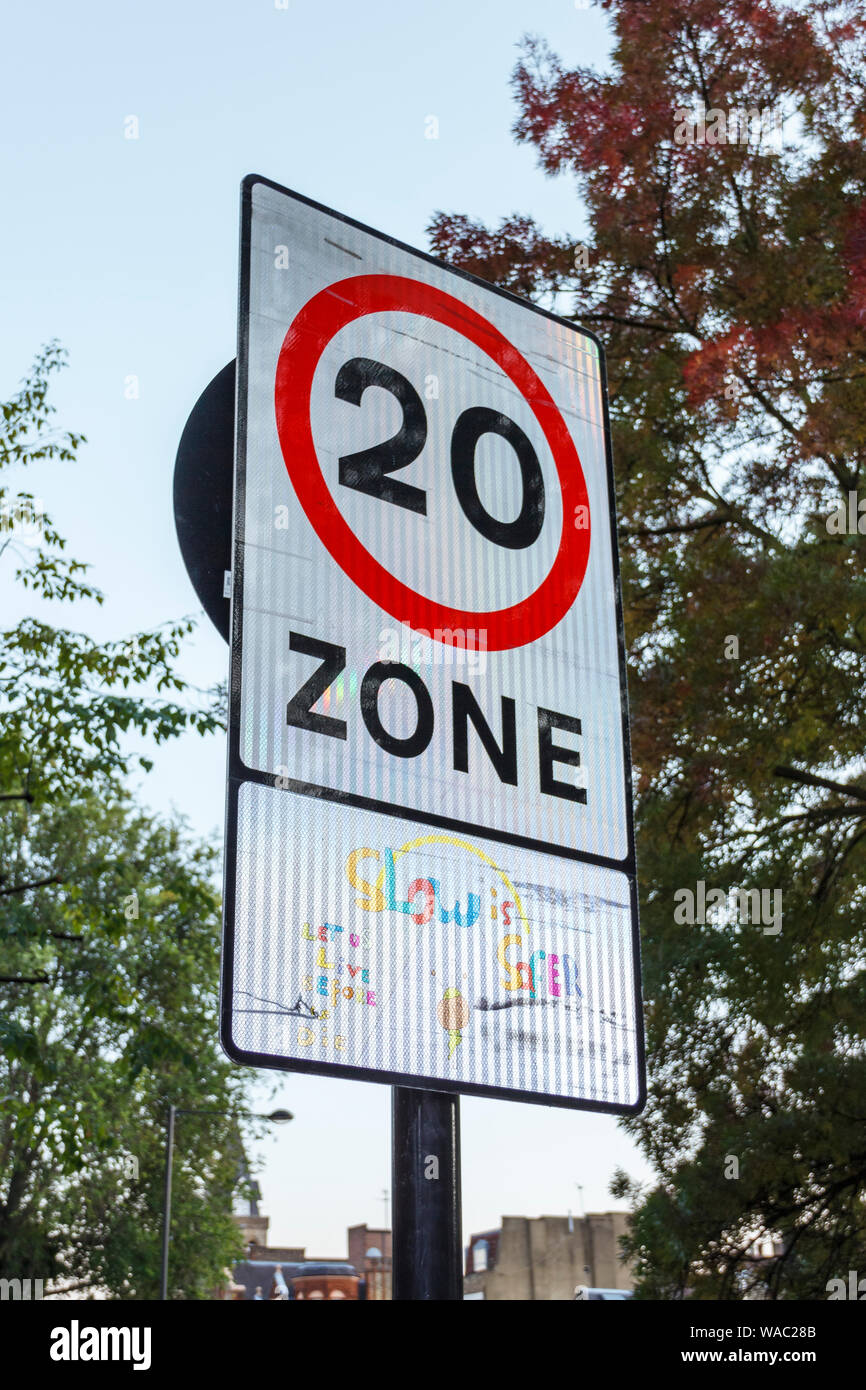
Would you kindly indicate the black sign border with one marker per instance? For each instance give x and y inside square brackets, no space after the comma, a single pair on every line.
[238,773]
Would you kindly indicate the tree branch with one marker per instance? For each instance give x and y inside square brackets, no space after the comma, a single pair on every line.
[810,780]
[23,887]
[716,519]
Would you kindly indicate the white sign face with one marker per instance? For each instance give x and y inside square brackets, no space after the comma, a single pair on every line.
[430,861]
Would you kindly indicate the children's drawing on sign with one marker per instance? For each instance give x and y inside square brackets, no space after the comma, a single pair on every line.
[300,1008]
[453,1013]
[424,899]
[427,954]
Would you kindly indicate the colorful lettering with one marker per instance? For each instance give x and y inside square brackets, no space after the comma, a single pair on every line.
[374,900]
[553,976]
[421,915]
[532,976]
[536,955]
[513,981]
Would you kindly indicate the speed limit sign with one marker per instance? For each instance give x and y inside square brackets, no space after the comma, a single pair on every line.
[430,868]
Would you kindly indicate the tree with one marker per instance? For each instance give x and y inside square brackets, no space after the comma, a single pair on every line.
[108,935]
[116,992]
[66,699]
[726,273]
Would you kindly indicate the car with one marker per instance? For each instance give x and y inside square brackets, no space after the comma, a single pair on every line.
[583,1294]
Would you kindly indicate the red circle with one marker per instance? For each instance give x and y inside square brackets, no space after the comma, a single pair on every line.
[313,328]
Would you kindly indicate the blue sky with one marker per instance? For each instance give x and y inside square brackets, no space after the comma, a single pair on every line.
[126,250]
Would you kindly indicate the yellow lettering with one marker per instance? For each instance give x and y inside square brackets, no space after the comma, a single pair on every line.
[373,899]
[513,981]
[306,1037]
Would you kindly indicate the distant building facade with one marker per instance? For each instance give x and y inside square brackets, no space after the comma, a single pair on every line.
[376,1268]
[279,1281]
[546,1257]
[285,1273]
[249,1221]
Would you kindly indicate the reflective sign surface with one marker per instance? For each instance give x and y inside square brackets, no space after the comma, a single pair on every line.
[430,869]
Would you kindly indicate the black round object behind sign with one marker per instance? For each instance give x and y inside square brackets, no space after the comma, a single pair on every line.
[203,475]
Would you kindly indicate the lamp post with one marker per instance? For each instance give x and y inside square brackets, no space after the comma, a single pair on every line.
[277,1117]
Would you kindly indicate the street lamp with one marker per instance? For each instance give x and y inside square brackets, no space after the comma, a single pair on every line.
[277,1117]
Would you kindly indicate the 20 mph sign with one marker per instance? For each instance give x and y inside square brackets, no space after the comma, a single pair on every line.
[430,858]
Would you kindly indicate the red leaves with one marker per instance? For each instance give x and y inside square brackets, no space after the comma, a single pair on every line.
[794,347]
[580,121]
[515,255]
[707,370]
[854,254]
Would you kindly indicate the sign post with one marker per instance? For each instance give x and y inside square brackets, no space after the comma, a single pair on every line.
[429,871]
[427,1236]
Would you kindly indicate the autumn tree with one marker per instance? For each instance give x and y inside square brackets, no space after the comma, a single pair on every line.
[722,166]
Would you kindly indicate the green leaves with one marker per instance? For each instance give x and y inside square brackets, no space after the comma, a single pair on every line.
[65,705]
[126,1027]
[26,417]
[66,701]
[109,932]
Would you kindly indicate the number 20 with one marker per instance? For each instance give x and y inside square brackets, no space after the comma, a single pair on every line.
[370,470]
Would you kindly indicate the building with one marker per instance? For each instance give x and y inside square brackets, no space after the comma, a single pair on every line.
[370,1254]
[545,1258]
[253,1227]
[278,1273]
[269,1280]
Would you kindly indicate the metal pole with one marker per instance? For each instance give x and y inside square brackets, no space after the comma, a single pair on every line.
[427,1238]
[166,1206]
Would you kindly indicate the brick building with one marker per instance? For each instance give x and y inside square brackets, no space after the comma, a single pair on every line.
[287,1271]
[376,1269]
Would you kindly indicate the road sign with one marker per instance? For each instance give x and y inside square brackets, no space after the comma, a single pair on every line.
[203,495]
[430,872]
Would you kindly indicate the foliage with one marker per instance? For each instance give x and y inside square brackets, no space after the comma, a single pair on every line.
[109,929]
[728,282]
[117,997]
[66,700]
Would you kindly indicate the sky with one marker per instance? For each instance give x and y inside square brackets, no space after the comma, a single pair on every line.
[125,249]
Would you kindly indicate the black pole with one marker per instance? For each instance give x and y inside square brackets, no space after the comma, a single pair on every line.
[427,1236]
[166,1206]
